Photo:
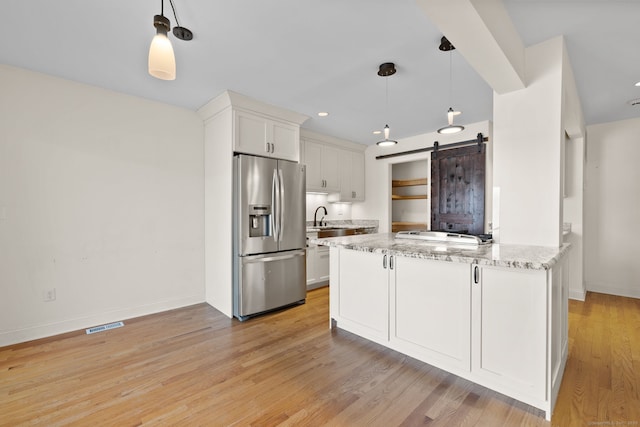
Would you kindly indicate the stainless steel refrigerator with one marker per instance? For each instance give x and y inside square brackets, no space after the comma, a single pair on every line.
[269,264]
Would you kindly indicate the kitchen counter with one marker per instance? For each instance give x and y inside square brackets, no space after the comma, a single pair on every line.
[349,223]
[493,314]
[498,255]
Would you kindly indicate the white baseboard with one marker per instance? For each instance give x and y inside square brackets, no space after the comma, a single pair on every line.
[577,294]
[605,288]
[48,330]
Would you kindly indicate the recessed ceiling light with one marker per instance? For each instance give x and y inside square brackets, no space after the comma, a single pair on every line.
[377,132]
[323,114]
[637,83]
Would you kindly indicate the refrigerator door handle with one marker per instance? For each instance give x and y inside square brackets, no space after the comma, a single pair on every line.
[281,203]
[274,203]
[269,258]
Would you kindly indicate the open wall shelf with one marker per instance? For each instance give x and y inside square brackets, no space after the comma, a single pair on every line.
[400,191]
[408,182]
[402,183]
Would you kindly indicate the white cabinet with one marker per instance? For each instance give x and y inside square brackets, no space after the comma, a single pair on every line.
[360,300]
[351,176]
[432,311]
[322,167]
[256,134]
[317,264]
[322,263]
[510,329]
[503,328]
[334,166]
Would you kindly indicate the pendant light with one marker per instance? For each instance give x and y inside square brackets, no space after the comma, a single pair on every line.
[162,61]
[385,70]
[446,46]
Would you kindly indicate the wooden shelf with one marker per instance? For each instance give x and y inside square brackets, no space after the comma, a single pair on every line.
[413,197]
[406,195]
[398,183]
[404,226]
[408,182]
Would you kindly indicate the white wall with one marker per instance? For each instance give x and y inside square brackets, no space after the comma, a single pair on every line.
[528,139]
[573,170]
[573,214]
[335,211]
[218,187]
[612,208]
[377,204]
[101,198]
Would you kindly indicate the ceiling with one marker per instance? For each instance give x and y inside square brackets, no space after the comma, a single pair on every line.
[320,56]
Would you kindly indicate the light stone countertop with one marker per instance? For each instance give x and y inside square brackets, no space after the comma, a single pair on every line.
[348,223]
[509,256]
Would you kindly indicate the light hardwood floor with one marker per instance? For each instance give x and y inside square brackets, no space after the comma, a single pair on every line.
[193,366]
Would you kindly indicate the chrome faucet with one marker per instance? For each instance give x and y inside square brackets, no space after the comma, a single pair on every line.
[315,222]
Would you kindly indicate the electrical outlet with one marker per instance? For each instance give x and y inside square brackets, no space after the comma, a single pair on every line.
[49,295]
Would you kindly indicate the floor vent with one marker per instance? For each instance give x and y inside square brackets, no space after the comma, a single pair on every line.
[105,327]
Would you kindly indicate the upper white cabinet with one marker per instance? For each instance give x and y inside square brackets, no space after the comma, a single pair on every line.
[256,134]
[351,177]
[334,166]
[322,167]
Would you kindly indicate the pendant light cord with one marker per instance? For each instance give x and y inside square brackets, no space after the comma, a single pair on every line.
[450,81]
[174,12]
[386,97]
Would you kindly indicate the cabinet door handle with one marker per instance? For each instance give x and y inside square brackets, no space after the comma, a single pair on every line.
[476,275]
[353,194]
[384,262]
[391,262]
[268,147]
[273,147]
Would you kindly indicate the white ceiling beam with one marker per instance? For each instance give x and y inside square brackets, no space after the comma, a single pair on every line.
[482,31]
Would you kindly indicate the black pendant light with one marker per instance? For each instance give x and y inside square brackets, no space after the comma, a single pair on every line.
[446,46]
[162,61]
[385,70]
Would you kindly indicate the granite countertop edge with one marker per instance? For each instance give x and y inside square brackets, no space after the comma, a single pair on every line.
[525,257]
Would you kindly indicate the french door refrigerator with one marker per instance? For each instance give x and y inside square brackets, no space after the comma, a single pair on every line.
[269,264]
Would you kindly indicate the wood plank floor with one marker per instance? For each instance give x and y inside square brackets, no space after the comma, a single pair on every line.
[193,366]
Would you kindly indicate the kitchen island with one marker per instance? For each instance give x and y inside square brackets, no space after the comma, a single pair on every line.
[493,314]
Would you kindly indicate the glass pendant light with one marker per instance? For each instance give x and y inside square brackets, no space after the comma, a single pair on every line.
[385,70]
[162,61]
[445,45]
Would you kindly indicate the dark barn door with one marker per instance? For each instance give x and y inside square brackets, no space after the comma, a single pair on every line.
[457,190]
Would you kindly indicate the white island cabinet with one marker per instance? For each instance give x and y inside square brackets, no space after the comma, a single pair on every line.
[496,316]
[431,319]
[509,330]
[363,306]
